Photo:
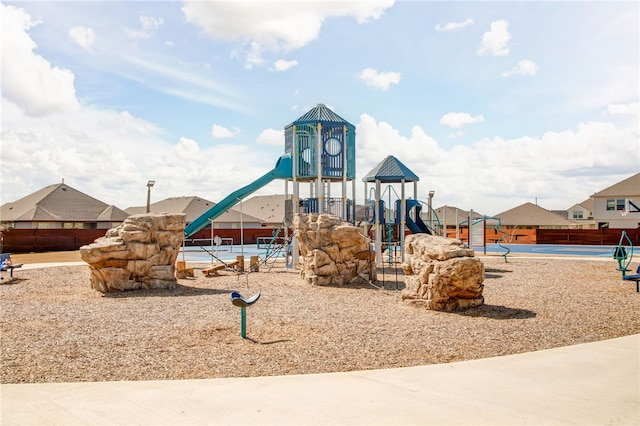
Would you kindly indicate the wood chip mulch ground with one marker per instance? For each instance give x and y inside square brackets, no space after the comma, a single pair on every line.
[55,328]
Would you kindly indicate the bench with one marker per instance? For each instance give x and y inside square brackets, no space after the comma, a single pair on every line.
[635,277]
[7,264]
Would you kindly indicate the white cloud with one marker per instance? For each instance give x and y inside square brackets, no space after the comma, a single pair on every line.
[451,26]
[524,67]
[630,109]
[586,159]
[148,27]
[494,41]
[220,132]
[274,26]
[29,80]
[459,119]
[380,80]
[187,149]
[150,23]
[106,154]
[84,37]
[282,65]
[271,137]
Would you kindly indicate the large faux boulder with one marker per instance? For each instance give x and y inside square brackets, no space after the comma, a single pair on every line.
[140,253]
[441,274]
[332,252]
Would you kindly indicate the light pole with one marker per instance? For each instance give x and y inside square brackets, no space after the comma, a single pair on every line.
[431,194]
[149,185]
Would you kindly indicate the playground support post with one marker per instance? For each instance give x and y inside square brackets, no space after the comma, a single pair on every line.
[403,216]
[378,225]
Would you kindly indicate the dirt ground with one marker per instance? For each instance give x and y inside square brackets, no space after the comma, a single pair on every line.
[47,257]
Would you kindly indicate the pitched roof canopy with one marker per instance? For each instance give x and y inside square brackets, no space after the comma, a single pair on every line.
[321,114]
[391,170]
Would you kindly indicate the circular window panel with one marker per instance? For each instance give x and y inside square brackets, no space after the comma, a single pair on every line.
[333,146]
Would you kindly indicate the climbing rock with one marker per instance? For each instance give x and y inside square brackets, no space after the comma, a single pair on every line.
[140,253]
[441,274]
[332,252]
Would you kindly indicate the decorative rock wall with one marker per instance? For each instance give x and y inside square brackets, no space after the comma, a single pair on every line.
[140,253]
[332,252]
[441,274]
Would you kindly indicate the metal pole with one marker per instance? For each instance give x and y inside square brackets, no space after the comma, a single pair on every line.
[469,227]
[344,173]
[378,225]
[241,231]
[319,189]
[403,215]
[149,185]
[243,322]
[211,221]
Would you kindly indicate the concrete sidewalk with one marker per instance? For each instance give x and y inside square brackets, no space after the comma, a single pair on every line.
[594,383]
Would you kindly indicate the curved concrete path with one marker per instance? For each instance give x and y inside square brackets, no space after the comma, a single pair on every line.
[590,384]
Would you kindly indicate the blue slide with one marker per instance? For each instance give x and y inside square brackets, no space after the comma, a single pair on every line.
[282,170]
[417,227]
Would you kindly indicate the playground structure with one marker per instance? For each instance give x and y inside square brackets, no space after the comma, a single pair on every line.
[320,151]
[406,213]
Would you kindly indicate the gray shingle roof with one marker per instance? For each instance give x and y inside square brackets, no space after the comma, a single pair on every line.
[60,202]
[629,187]
[448,214]
[268,208]
[390,170]
[528,214]
[193,207]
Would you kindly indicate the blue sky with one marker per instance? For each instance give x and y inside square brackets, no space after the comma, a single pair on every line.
[491,104]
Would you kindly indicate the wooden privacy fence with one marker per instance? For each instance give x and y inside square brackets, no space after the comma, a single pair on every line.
[595,237]
[41,240]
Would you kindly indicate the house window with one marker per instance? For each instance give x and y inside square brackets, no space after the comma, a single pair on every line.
[611,204]
[620,204]
[577,214]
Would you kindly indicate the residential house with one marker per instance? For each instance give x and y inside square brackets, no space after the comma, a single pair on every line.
[618,206]
[582,214]
[195,207]
[531,216]
[59,206]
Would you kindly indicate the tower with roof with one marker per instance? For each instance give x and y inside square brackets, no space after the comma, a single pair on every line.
[322,146]
[389,171]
